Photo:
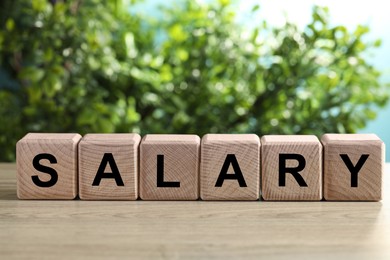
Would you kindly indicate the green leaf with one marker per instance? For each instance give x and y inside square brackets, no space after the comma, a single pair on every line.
[177,33]
[255,8]
[10,24]
[32,74]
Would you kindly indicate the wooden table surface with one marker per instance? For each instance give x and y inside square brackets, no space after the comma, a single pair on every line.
[124,229]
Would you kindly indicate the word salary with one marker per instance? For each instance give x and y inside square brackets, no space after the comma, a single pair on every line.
[339,167]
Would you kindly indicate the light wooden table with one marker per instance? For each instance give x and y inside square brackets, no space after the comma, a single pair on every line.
[120,229]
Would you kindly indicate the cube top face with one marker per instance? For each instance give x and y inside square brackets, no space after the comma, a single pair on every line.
[108,167]
[167,138]
[116,139]
[327,138]
[353,167]
[298,139]
[40,137]
[231,138]
[169,167]
[291,167]
[47,166]
[230,167]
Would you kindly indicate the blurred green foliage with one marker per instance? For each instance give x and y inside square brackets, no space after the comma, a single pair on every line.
[98,66]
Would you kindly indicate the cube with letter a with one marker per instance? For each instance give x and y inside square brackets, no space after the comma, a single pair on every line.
[230,167]
[108,166]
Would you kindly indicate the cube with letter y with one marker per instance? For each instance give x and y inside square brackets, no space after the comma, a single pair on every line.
[353,167]
[47,166]
[291,167]
[108,166]
[169,167]
[230,167]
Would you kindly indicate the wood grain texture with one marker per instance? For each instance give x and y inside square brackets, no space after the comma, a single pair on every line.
[77,229]
[214,151]
[306,145]
[124,151]
[64,148]
[181,164]
[337,177]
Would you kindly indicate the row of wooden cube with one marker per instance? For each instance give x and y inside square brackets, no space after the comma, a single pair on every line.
[183,167]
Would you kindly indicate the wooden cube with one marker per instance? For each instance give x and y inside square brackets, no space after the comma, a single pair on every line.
[169,167]
[291,167]
[353,167]
[108,167]
[230,167]
[47,166]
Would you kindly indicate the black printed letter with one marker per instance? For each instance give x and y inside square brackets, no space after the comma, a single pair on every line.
[108,158]
[160,175]
[45,169]
[294,171]
[354,170]
[237,175]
